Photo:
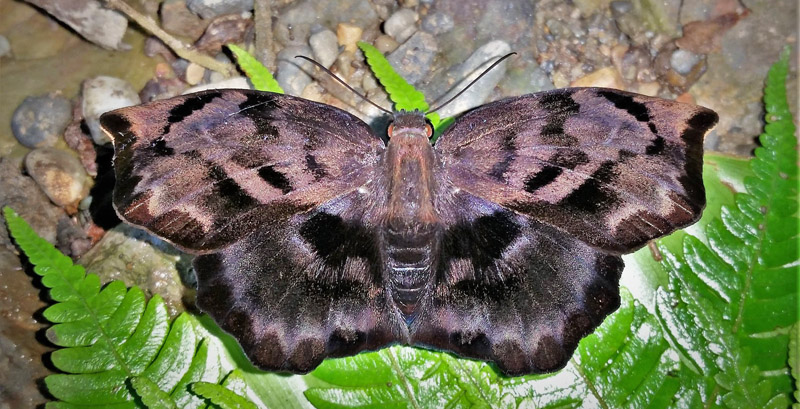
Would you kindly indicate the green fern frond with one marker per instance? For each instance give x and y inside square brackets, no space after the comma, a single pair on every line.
[403,94]
[259,75]
[732,299]
[117,349]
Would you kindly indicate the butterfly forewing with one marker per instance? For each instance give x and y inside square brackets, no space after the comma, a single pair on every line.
[205,170]
[611,168]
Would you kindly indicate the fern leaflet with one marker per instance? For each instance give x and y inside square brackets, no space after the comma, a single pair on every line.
[737,290]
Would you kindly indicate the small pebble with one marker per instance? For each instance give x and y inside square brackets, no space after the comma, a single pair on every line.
[5,46]
[102,94]
[649,88]
[401,25]
[294,25]
[621,7]
[176,18]
[235,82]
[39,121]
[325,47]
[60,175]
[470,69]
[437,23]
[683,61]
[386,44]
[348,35]
[413,59]
[194,73]
[212,8]
[291,72]
[607,77]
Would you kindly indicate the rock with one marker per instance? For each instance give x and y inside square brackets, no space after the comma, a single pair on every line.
[348,36]
[102,94]
[177,19]
[401,25]
[60,175]
[471,69]
[621,7]
[294,25]
[212,8]
[683,61]
[21,194]
[223,30]
[437,23]
[324,46]
[413,59]
[90,19]
[39,121]
[81,142]
[234,82]
[194,73]
[291,72]
[607,77]
[138,258]
[386,44]
[5,46]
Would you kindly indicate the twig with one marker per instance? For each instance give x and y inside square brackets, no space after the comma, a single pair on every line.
[263,29]
[181,49]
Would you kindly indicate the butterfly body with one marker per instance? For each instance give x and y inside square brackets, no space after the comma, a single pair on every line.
[501,242]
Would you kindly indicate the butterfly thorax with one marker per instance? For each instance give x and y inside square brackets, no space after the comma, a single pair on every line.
[412,225]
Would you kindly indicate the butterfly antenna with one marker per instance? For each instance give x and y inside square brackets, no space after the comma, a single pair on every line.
[341,81]
[486,71]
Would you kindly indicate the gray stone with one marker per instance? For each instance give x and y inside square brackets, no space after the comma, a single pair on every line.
[325,47]
[401,25]
[235,82]
[138,258]
[21,194]
[102,94]
[292,72]
[60,175]
[5,46]
[621,7]
[39,121]
[212,8]
[294,25]
[683,61]
[471,69]
[413,59]
[437,23]
[90,19]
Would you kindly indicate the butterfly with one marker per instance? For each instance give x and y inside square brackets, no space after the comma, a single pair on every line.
[500,242]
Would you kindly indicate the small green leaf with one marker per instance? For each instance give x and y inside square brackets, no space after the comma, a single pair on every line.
[151,395]
[259,75]
[403,94]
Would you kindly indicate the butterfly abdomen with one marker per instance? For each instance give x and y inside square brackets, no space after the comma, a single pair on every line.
[409,257]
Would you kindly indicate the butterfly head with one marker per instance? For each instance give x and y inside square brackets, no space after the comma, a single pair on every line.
[410,124]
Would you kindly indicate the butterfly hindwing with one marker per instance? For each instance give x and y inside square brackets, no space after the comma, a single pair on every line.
[305,289]
[613,169]
[203,170]
[513,291]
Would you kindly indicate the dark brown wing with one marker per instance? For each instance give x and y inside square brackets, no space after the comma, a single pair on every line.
[206,169]
[539,196]
[304,289]
[513,291]
[611,168]
[275,193]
